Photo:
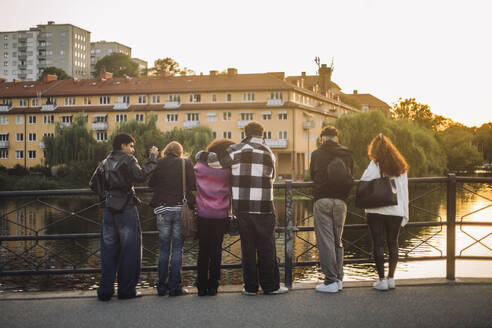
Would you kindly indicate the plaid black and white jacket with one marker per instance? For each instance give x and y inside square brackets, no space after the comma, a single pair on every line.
[252,166]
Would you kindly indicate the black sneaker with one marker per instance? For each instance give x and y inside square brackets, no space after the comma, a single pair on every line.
[212,292]
[125,297]
[202,292]
[103,298]
[178,292]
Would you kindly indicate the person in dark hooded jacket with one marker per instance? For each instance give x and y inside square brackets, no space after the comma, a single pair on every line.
[330,209]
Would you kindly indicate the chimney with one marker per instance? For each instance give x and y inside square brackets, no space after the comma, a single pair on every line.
[232,71]
[49,77]
[324,77]
[355,92]
[213,73]
[303,74]
[51,22]
[105,75]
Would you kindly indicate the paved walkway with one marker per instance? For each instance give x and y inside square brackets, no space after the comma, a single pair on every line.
[422,303]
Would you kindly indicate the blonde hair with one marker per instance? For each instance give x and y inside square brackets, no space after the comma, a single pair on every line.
[174,148]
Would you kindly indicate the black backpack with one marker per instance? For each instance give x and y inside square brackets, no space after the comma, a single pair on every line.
[339,177]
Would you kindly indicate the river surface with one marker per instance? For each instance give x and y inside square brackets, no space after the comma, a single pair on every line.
[51,215]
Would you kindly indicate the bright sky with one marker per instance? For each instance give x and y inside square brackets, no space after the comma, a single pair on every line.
[439,52]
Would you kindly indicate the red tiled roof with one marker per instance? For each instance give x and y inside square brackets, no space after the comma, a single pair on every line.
[25,89]
[310,81]
[368,100]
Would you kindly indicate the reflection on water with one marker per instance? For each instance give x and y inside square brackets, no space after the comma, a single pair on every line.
[429,204]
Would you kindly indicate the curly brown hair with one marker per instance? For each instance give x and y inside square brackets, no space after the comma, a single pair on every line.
[219,146]
[382,151]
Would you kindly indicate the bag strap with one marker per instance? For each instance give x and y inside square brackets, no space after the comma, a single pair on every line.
[184,179]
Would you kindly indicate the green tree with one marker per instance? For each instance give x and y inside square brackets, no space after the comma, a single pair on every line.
[483,140]
[421,114]
[170,67]
[61,74]
[119,64]
[193,140]
[461,153]
[418,145]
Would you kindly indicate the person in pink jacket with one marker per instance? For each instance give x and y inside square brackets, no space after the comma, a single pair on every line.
[213,202]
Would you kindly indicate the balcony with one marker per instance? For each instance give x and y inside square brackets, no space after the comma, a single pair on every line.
[41,144]
[308,125]
[99,126]
[276,143]
[22,66]
[121,105]
[65,124]
[42,46]
[41,55]
[172,104]
[22,56]
[42,37]
[4,144]
[190,124]
[22,48]
[22,75]
[48,107]
[42,64]
[241,124]
[22,39]
[275,102]
[5,108]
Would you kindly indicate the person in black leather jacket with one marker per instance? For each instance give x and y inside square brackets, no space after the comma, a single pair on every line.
[121,239]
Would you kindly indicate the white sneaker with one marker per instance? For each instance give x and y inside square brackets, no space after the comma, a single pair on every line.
[330,288]
[280,290]
[244,292]
[381,284]
[340,284]
[391,283]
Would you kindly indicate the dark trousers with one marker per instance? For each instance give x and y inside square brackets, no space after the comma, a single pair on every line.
[121,252]
[384,227]
[210,237]
[257,237]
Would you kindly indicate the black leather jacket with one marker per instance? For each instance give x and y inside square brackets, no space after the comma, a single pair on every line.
[119,172]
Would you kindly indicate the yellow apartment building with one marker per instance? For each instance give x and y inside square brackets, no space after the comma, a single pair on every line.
[292,109]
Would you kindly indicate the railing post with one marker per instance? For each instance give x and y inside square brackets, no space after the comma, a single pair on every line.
[289,217]
[451,228]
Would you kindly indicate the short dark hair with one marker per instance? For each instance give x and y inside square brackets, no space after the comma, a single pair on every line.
[122,139]
[329,131]
[254,128]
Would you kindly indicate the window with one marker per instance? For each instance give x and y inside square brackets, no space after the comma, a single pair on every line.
[192,116]
[156,99]
[87,100]
[249,96]
[51,101]
[32,119]
[195,98]
[4,153]
[35,102]
[4,137]
[66,119]
[23,102]
[174,98]
[100,119]
[32,136]
[101,136]
[19,137]
[282,135]
[276,95]
[228,97]
[19,119]
[212,117]
[142,99]
[266,116]
[104,100]
[246,116]
[267,135]
[214,135]
[139,117]
[243,135]
[227,134]
[69,101]
[214,97]
[226,116]
[7,102]
[121,118]
[19,154]
[4,120]
[282,116]
[31,154]
[48,119]
[124,99]
[171,117]
[48,134]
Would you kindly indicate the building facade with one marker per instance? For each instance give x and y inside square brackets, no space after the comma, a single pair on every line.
[142,66]
[291,111]
[25,54]
[101,49]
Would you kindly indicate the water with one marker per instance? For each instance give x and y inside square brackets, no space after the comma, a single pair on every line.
[473,204]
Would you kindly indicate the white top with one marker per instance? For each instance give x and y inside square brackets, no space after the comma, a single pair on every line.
[401,209]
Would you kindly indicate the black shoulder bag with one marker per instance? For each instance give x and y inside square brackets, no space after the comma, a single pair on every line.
[376,193]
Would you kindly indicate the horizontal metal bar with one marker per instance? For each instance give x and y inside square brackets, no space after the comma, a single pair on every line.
[474,258]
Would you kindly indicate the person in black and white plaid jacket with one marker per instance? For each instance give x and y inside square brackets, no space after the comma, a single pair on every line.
[252,166]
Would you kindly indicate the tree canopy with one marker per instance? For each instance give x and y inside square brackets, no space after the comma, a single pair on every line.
[170,67]
[119,64]
[462,154]
[61,74]
[419,113]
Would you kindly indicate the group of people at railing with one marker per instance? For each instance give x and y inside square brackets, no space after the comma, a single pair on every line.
[236,179]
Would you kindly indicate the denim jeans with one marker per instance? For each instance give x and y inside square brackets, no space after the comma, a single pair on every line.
[121,252]
[170,244]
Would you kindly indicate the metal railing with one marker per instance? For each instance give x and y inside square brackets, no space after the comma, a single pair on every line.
[291,231]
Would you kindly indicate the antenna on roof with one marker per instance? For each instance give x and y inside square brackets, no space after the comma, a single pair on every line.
[318,62]
[332,66]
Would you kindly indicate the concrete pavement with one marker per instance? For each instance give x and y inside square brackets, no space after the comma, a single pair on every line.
[414,303]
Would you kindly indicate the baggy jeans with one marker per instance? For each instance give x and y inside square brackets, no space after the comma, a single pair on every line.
[170,245]
[121,252]
[329,218]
